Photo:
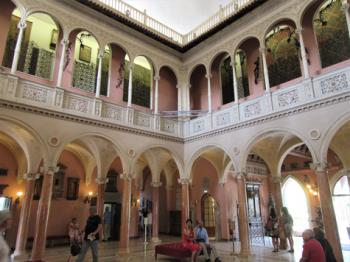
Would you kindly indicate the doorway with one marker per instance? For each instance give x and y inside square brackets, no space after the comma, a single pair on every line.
[116,219]
[208,214]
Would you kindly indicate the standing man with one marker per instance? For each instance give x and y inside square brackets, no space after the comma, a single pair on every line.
[149,222]
[312,249]
[201,236]
[92,235]
[107,221]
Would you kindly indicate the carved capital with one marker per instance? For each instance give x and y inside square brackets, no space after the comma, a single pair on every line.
[131,66]
[102,180]
[156,78]
[299,31]
[208,76]
[65,42]
[31,176]
[222,182]
[22,24]
[276,179]
[262,50]
[184,181]
[50,170]
[126,176]
[241,175]
[156,184]
[319,167]
[345,5]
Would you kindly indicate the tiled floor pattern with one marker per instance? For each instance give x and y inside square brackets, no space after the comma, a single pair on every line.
[139,253]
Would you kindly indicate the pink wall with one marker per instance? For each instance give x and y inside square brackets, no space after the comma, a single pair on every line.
[6,8]
[167,91]
[216,89]
[199,89]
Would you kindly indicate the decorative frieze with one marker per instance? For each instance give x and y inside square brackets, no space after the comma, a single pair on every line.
[113,112]
[167,126]
[142,120]
[223,119]
[35,93]
[252,110]
[334,84]
[198,126]
[78,104]
[288,98]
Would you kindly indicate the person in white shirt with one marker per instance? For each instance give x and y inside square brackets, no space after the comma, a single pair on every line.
[5,223]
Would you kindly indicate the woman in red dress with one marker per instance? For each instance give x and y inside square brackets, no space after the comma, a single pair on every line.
[188,240]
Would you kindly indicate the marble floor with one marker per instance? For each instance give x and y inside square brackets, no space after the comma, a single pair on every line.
[139,252]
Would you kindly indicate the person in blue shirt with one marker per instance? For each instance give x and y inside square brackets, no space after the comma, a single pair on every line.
[201,236]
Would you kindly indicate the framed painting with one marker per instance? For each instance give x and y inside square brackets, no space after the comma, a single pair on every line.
[72,188]
[85,53]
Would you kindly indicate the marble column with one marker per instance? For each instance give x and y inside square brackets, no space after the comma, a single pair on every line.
[345,8]
[21,26]
[303,54]
[131,66]
[22,233]
[235,87]
[156,79]
[43,215]
[155,211]
[170,198]
[225,230]
[101,185]
[243,215]
[328,215]
[64,44]
[277,195]
[208,76]
[179,98]
[125,217]
[185,201]
[266,72]
[99,73]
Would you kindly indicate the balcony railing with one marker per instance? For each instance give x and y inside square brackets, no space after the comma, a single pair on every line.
[142,19]
[292,98]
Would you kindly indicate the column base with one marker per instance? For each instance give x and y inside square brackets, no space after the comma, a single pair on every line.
[19,256]
[244,254]
[156,240]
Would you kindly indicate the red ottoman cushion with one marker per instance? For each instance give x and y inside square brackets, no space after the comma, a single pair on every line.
[173,250]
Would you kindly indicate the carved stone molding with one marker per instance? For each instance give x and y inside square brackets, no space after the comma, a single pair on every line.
[184,181]
[156,184]
[102,180]
[31,176]
[319,167]
[126,176]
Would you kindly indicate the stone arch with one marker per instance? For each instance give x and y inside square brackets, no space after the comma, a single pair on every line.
[193,68]
[117,148]
[125,49]
[199,151]
[269,131]
[335,178]
[329,134]
[280,20]
[245,39]
[213,57]
[79,29]
[149,60]
[171,68]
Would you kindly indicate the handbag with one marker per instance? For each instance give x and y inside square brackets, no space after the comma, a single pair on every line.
[75,249]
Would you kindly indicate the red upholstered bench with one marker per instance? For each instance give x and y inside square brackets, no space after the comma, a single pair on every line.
[173,250]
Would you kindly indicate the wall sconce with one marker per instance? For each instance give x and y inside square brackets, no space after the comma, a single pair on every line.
[18,199]
[88,198]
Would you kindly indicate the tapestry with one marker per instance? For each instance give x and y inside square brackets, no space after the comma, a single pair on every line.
[84,76]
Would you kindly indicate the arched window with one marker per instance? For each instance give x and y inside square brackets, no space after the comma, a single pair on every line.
[39,43]
[294,198]
[242,74]
[282,55]
[332,33]
[226,81]
[141,81]
[341,202]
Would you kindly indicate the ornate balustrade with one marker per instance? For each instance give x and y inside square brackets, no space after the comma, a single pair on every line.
[296,98]
[142,19]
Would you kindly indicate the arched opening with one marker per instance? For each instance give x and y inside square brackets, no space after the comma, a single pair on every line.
[248,68]
[341,202]
[38,49]
[199,89]
[83,62]
[6,10]
[332,33]
[167,91]
[283,53]
[142,82]
[208,208]
[294,198]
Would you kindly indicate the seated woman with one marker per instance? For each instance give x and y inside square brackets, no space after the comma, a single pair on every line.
[74,231]
[188,240]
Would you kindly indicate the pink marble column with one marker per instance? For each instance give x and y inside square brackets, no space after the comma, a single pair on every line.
[225,230]
[101,184]
[43,216]
[242,216]
[328,215]
[170,199]
[277,195]
[185,201]
[155,211]
[125,219]
[22,233]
